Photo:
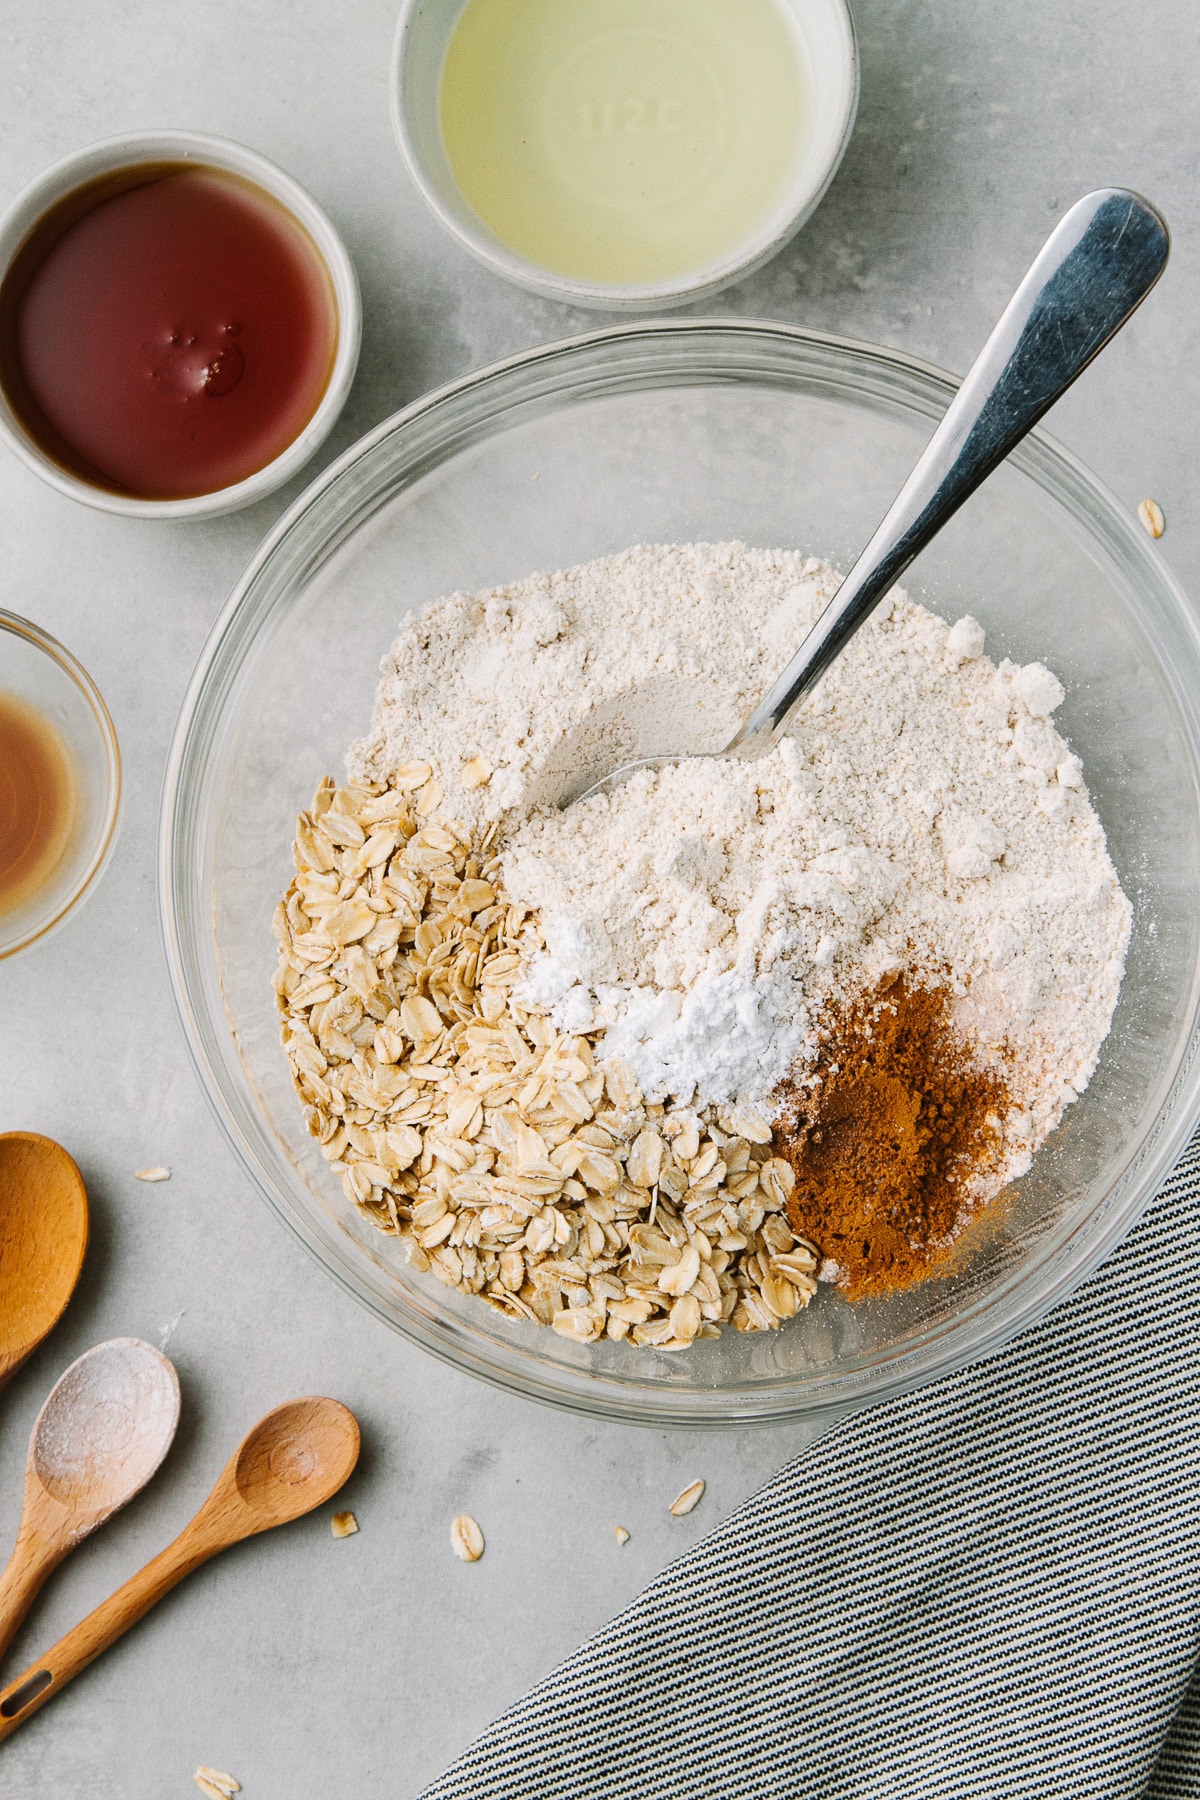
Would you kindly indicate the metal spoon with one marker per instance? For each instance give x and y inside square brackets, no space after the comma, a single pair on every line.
[1094,270]
[43,1236]
[103,1432]
[292,1460]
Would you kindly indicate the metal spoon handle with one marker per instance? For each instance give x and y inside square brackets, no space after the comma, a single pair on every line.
[1094,270]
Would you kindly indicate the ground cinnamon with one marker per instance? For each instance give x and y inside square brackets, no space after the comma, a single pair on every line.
[884,1146]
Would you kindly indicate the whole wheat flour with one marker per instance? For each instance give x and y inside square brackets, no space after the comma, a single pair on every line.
[522,694]
[924,815]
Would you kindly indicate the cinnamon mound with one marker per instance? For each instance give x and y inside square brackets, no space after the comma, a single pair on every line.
[885,1146]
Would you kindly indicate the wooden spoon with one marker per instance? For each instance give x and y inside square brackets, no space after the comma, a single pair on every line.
[43,1235]
[103,1432]
[293,1460]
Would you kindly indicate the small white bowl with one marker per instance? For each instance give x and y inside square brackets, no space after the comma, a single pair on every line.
[423,32]
[127,152]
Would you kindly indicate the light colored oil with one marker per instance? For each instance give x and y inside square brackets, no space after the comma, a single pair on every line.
[625,141]
[37,801]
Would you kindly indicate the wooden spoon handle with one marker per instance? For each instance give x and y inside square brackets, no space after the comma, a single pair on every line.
[30,1564]
[110,1620]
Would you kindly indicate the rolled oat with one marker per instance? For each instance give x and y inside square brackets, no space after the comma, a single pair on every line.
[461,1121]
[688,1501]
[466,1539]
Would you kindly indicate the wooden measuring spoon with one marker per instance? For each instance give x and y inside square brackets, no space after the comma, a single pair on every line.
[293,1460]
[104,1430]
[43,1235]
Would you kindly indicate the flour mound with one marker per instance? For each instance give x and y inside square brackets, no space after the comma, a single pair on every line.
[557,679]
[923,815]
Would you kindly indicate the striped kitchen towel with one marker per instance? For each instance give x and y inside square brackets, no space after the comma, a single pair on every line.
[987,1588]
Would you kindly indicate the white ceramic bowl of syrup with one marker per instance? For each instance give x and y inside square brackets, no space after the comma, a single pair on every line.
[68,198]
[626,154]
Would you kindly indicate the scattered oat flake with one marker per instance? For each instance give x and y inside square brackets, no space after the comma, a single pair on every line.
[215,1783]
[466,1539]
[688,1500]
[621,1535]
[343,1524]
[476,772]
[1151,515]
[157,1173]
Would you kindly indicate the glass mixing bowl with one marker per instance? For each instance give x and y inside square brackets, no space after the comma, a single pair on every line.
[670,432]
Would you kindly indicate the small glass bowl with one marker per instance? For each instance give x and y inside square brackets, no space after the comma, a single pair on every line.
[669,432]
[37,669]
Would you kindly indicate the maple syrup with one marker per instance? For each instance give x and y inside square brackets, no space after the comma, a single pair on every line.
[166,331]
[37,800]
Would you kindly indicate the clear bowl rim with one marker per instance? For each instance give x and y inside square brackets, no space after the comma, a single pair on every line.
[1147,1165]
[14,625]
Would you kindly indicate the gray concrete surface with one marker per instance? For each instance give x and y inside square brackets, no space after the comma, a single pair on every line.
[307,1667]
